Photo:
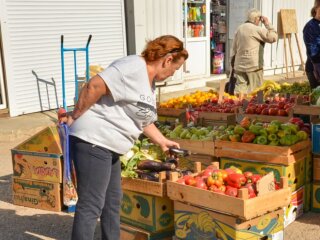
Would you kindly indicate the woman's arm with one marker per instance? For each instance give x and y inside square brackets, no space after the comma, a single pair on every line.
[152,132]
[89,95]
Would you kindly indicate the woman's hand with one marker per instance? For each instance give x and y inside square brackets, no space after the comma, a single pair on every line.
[166,144]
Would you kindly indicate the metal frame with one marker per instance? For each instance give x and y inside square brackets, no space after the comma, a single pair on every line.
[76,79]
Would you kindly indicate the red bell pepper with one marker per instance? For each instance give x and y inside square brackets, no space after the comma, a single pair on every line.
[231,191]
[251,190]
[236,180]
[254,178]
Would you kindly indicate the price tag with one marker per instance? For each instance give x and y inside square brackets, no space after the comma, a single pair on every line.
[266,184]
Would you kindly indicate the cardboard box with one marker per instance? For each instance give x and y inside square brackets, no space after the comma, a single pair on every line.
[37,194]
[307,197]
[309,167]
[316,168]
[295,172]
[199,223]
[39,157]
[295,208]
[315,201]
[147,212]
[131,233]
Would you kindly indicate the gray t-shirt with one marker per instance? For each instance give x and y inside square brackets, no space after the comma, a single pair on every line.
[117,120]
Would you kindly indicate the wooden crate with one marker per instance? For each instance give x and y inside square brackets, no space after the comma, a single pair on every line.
[188,162]
[268,118]
[216,118]
[306,110]
[243,208]
[147,187]
[158,189]
[262,153]
[197,146]
[170,112]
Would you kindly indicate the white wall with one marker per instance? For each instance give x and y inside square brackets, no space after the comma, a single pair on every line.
[31,41]
[274,54]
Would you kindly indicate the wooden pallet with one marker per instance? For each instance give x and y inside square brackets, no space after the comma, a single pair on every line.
[197,146]
[241,207]
[262,153]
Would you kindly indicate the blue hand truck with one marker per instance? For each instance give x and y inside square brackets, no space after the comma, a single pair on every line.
[76,79]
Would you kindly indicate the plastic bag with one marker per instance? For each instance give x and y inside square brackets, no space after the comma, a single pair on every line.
[70,196]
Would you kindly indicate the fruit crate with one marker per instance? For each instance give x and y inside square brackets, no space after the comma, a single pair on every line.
[158,189]
[262,153]
[197,146]
[171,112]
[147,187]
[216,118]
[241,206]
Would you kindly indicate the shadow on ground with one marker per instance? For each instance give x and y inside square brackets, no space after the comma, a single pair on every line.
[22,223]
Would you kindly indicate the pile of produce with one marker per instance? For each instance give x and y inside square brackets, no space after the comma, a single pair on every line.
[228,105]
[276,106]
[226,181]
[191,132]
[295,88]
[274,133]
[193,99]
[146,161]
[270,87]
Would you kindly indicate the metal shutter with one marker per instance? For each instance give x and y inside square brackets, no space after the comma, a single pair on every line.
[31,31]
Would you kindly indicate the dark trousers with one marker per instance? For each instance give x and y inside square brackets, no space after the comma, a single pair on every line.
[99,190]
[312,80]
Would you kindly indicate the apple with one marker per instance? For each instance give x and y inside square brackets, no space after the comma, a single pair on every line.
[265,111]
[273,111]
[282,112]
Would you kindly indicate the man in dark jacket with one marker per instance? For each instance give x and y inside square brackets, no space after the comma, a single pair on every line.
[311,37]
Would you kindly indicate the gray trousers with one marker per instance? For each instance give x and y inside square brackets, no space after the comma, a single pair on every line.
[99,190]
[248,81]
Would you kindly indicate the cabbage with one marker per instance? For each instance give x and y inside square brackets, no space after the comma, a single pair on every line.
[315,97]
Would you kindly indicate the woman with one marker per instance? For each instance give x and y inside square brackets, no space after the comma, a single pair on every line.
[311,37]
[113,109]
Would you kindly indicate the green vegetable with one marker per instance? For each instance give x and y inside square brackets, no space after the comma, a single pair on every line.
[239,130]
[262,140]
[274,143]
[255,129]
[302,135]
[272,137]
[272,128]
[289,140]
